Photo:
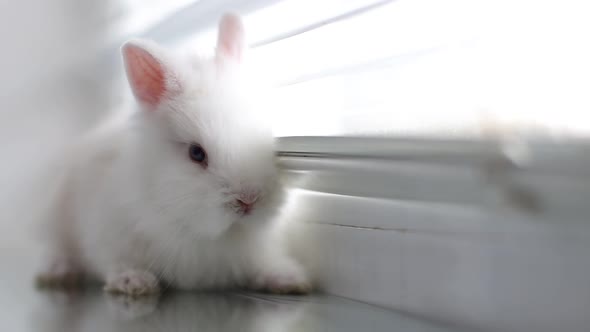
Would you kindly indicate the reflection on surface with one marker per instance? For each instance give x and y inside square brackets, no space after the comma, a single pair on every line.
[173,312]
[240,312]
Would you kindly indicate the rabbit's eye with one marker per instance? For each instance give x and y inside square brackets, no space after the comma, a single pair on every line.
[198,154]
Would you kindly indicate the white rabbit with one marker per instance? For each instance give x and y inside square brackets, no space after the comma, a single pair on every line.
[184,193]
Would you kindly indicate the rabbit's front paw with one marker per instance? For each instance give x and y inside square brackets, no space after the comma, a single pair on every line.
[134,283]
[284,280]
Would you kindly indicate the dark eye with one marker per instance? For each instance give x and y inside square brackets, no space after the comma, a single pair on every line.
[197,154]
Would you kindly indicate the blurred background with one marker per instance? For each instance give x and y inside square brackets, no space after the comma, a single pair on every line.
[466,69]
[456,68]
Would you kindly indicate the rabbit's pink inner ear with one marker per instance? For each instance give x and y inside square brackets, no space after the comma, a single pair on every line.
[145,74]
[230,41]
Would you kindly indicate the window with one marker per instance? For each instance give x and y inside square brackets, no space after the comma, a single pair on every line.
[458,68]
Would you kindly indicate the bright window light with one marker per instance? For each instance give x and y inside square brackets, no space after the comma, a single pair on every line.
[137,15]
[425,67]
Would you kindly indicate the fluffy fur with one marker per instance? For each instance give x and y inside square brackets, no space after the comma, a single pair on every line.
[136,213]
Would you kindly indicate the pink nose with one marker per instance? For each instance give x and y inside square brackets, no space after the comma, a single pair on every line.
[246,201]
[245,207]
[248,197]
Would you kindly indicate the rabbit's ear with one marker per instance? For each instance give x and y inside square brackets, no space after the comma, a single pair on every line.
[149,77]
[231,38]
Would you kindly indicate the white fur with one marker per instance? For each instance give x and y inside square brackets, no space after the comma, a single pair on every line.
[132,200]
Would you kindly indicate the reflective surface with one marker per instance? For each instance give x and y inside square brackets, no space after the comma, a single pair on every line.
[24,308]
[96,311]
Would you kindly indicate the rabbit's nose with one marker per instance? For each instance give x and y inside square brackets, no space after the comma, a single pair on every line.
[246,200]
[248,197]
[245,208]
